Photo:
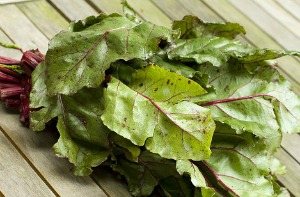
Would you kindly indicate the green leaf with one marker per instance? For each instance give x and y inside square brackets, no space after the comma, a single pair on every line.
[143,176]
[79,59]
[153,110]
[47,106]
[256,114]
[218,51]
[193,27]
[83,137]
[248,146]
[175,66]
[239,163]
[82,155]
[187,167]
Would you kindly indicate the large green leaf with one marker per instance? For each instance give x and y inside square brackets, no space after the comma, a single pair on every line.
[240,163]
[154,109]
[271,106]
[79,59]
[83,137]
[193,27]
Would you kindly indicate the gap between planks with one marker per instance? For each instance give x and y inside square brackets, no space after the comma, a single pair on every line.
[28,161]
[14,170]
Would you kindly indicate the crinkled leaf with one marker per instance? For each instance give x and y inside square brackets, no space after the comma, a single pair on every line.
[79,59]
[218,50]
[143,176]
[193,27]
[248,146]
[152,110]
[273,107]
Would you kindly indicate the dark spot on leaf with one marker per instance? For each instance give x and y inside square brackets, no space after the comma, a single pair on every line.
[125,119]
[163,43]
[155,89]
[189,81]
[168,81]
[141,84]
[179,79]
[172,83]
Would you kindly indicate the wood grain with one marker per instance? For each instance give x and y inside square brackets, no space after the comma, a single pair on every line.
[292,6]
[44,17]
[281,15]
[291,179]
[17,25]
[269,24]
[74,10]
[8,52]
[17,178]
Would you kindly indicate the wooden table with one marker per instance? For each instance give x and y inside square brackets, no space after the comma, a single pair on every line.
[28,167]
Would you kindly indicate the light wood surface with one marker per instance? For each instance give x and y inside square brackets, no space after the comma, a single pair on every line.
[270,23]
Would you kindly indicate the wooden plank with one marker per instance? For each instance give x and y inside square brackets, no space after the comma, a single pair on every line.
[38,149]
[44,16]
[275,29]
[8,52]
[108,7]
[12,1]
[292,6]
[281,15]
[74,10]
[199,9]
[291,179]
[16,25]
[150,12]
[108,182]
[172,8]
[291,144]
[17,178]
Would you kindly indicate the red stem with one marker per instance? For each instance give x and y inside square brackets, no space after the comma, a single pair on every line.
[7,78]
[10,92]
[228,100]
[9,61]
[9,72]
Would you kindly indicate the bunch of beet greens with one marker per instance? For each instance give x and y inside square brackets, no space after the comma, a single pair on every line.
[187,111]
